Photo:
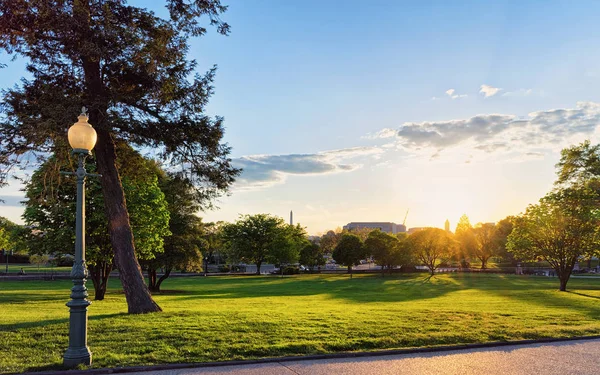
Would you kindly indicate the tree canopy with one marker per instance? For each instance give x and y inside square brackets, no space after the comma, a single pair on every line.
[349,251]
[559,229]
[130,68]
[263,238]
[430,246]
[50,209]
[387,250]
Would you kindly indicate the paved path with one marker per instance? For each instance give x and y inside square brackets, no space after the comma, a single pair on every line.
[557,358]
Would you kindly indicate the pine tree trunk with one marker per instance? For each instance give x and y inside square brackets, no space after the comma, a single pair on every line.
[139,300]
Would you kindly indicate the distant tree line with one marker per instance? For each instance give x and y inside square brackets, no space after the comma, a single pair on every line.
[561,229]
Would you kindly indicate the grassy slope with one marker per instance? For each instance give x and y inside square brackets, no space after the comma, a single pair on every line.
[222,318]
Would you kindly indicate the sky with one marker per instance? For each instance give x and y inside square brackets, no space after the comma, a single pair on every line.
[362,110]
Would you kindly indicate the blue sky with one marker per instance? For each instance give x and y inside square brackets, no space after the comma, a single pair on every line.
[357,111]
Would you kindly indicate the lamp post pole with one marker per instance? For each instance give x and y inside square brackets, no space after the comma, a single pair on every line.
[82,138]
[78,351]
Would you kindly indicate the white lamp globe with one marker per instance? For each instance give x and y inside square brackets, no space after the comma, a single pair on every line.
[82,137]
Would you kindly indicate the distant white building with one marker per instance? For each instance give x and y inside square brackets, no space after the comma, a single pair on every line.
[386,227]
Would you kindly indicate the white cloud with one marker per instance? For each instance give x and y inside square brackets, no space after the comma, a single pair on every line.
[261,171]
[383,133]
[452,94]
[488,91]
[493,133]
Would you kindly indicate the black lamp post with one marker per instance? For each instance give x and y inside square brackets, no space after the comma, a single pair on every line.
[205,265]
[82,138]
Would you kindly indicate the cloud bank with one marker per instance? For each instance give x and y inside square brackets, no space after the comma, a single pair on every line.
[260,171]
[498,132]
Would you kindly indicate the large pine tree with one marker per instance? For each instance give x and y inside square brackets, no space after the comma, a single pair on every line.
[129,67]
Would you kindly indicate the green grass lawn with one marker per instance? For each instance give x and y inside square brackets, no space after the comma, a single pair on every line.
[224,318]
[32,268]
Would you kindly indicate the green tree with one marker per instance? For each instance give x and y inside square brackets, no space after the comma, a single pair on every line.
[39,259]
[504,228]
[486,242]
[384,248]
[130,68]
[430,246]
[330,240]
[12,236]
[362,233]
[50,208]
[312,256]
[286,248]
[467,243]
[559,229]
[183,248]
[213,240]
[257,239]
[4,239]
[349,251]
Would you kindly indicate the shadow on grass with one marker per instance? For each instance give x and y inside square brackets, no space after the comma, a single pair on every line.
[584,295]
[362,289]
[538,290]
[47,322]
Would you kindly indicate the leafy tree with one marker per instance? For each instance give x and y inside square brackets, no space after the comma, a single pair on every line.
[362,233]
[50,207]
[504,228]
[467,243]
[129,67]
[349,251]
[330,240]
[39,259]
[312,256]
[257,239]
[12,236]
[4,239]
[384,248]
[430,246]
[486,242]
[286,248]
[559,229]
[213,240]
[183,248]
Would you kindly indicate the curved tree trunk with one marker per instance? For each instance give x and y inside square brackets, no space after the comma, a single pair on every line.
[163,278]
[138,296]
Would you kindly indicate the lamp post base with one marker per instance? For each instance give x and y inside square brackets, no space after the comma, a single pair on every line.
[77,356]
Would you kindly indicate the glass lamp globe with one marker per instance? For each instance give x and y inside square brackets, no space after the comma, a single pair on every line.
[82,137]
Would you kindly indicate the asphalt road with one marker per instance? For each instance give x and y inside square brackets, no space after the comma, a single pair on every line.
[557,358]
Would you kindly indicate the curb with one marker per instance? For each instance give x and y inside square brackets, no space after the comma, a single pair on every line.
[341,355]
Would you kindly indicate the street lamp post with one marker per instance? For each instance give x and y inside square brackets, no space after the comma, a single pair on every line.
[205,265]
[82,138]
[5,253]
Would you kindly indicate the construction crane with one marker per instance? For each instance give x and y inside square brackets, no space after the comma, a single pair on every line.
[404,222]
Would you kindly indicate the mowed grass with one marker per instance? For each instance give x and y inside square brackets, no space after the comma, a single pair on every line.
[226,318]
